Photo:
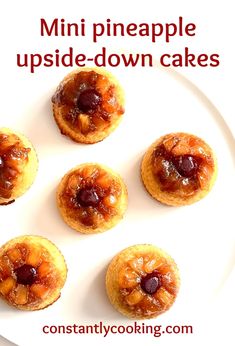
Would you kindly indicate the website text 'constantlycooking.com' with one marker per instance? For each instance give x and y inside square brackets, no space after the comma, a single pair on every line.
[107,329]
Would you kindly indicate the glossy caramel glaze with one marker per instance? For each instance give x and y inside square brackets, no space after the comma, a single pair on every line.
[182,164]
[13,158]
[140,296]
[27,274]
[90,195]
[87,101]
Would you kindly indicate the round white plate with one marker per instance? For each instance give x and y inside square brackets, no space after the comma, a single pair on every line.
[199,237]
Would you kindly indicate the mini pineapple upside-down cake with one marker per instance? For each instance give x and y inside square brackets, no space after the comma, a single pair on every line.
[18,165]
[92,198]
[142,281]
[179,169]
[32,272]
[88,104]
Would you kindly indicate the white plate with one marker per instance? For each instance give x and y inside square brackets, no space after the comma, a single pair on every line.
[198,237]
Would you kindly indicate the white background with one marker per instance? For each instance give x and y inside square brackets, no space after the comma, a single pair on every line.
[25,105]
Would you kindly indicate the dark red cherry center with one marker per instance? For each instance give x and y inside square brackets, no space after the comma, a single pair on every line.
[186,165]
[88,197]
[151,282]
[89,100]
[26,274]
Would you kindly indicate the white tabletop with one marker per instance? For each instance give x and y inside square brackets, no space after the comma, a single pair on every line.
[4,342]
